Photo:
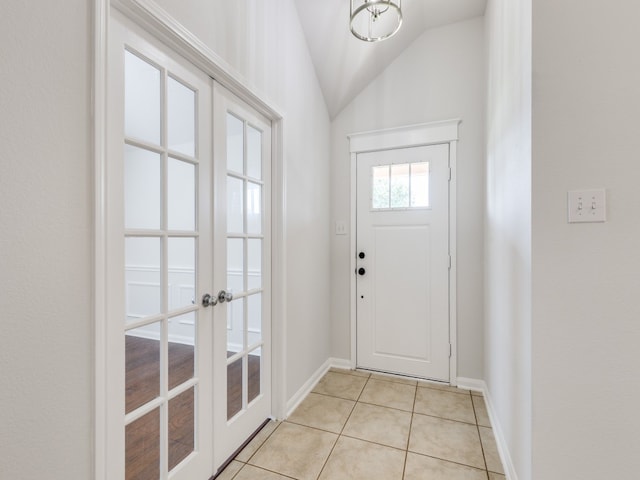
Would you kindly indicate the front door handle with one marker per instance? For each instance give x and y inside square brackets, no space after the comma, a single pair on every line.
[224,296]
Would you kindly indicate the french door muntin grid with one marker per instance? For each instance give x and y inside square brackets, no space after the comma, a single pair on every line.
[245,236]
[164,235]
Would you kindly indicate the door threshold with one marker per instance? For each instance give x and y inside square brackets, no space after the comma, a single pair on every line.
[226,463]
[403,375]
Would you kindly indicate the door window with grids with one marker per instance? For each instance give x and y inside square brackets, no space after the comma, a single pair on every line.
[404,185]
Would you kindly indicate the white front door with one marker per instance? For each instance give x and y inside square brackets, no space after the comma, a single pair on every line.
[242,260]
[402,264]
[188,369]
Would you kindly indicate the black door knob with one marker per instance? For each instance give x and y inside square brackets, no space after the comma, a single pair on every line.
[361,271]
[361,255]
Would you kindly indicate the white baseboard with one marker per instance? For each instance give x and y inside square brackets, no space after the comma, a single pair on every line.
[310,384]
[341,363]
[480,386]
[306,388]
[472,384]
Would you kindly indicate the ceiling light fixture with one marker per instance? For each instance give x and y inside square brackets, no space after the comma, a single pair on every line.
[375,20]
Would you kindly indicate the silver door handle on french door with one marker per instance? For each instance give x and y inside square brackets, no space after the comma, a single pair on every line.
[209,300]
[224,296]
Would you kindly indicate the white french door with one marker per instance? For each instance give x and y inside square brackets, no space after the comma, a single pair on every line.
[402,265]
[188,370]
[242,328]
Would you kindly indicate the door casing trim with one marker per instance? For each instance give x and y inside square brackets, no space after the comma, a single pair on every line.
[149,16]
[444,132]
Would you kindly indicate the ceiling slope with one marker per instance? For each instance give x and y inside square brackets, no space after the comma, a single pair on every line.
[345,65]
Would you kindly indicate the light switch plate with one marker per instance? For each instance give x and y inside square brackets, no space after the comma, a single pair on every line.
[587,206]
[341,228]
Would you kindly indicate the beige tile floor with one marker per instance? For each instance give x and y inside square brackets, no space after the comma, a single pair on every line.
[360,426]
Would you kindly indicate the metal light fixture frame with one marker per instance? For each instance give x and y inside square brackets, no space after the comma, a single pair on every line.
[375,9]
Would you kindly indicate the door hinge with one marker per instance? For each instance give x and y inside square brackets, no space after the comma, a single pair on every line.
[449,262]
[450,173]
[450,350]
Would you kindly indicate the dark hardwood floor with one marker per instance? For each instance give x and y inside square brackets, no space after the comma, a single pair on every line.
[143,385]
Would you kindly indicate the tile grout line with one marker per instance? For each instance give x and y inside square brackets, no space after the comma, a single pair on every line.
[447,460]
[484,457]
[367,403]
[406,453]
[266,470]
[445,418]
[345,424]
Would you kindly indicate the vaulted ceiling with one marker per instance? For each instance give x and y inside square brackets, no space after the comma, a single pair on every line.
[345,65]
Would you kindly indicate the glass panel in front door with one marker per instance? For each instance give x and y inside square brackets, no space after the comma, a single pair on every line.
[161,271]
[244,263]
[400,186]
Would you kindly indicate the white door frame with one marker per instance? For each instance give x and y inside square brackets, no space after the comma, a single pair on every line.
[149,16]
[403,137]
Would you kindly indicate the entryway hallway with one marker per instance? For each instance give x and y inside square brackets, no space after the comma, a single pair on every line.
[357,425]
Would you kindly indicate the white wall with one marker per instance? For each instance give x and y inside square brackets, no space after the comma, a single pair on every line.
[46,211]
[438,77]
[45,240]
[508,227]
[586,277]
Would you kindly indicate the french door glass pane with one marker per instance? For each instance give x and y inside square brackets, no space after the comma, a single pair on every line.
[254,260]
[141,188]
[141,99]
[181,118]
[254,318]
[142,276]
[235,144]
[255,365]
[182,271]
[181,427]
[181,195]
[142,363]
[235,326]
[181,348]
[254,208]
[234,387]
[142,446]
[235,264]
[235,205]
[254,152]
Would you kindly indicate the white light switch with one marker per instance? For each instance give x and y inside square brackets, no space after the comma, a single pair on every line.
[341,228]
[587,206]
